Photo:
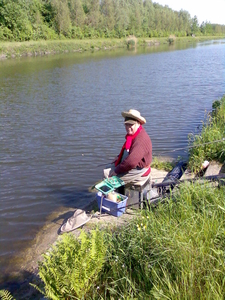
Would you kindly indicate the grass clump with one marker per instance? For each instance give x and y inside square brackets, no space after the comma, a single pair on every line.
[203,144]
[131,43]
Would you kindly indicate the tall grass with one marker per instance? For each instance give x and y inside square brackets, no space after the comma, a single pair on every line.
[174,252]
[213,130]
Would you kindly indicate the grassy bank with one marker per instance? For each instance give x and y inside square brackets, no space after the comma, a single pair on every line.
[173,252]
[35,48]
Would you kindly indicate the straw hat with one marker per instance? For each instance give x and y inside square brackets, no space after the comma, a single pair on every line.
[78,219]
[133,114]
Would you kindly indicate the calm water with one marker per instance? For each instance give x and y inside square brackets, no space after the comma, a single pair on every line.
[60,118]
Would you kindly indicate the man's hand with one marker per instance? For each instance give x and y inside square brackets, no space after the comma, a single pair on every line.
[112,173]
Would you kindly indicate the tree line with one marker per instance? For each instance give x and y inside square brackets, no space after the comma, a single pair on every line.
[23,20]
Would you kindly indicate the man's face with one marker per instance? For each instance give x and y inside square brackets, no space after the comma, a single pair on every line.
[131,128]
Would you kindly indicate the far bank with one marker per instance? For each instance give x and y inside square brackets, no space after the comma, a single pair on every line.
[43,47]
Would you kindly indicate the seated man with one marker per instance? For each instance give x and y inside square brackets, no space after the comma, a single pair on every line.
[133,162]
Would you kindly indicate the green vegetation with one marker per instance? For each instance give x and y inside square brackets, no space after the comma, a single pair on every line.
[72,265]
[43,47]
[25,20]
[131,43]
[175,251]
[213,130]
[6,295]
[34,48]
[159,164]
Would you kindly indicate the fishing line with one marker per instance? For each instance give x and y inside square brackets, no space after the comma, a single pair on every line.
[177,149]
[189,147]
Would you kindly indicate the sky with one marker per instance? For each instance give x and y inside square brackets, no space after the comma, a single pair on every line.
[205,10]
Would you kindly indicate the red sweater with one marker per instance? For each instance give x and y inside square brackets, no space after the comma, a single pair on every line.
[140,154]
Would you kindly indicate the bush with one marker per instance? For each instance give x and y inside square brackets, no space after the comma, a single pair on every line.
[72,266]
[5,34]
[43,32]
[76,33]
[131,43]
[25,34]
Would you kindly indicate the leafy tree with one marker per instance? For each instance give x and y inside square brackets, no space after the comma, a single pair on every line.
[206,28]
[149,16]
[48,12]
[194,25]
[77,14]
[122,18]
[158,17]
[136,16]
[184,21]
[62,17]
[108,13]
[93,15]
[14,16]
[47,19]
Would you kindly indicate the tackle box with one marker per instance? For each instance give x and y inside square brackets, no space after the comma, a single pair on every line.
[113,208]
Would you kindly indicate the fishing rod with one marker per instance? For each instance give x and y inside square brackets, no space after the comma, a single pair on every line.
[177,149]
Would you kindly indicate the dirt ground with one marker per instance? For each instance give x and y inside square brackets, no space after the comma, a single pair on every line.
[50,233]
